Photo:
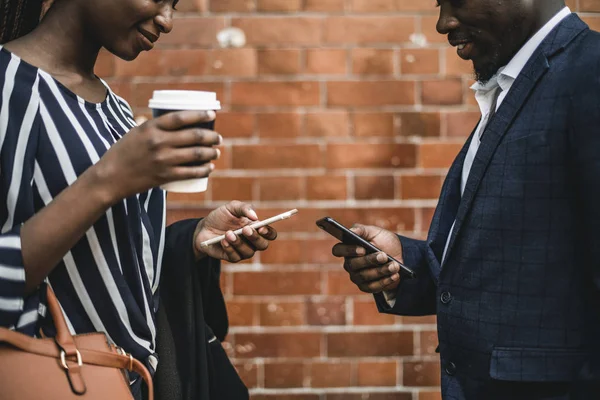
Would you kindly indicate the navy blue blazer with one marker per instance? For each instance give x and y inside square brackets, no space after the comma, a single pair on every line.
[518,298]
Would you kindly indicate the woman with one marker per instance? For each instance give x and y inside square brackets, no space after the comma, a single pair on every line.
[80,206]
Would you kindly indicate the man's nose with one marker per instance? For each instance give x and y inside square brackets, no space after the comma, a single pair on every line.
[447,21]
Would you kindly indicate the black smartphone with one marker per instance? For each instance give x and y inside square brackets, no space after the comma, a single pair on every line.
[346,236]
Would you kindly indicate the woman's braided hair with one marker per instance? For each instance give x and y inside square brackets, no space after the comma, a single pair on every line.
[18,17]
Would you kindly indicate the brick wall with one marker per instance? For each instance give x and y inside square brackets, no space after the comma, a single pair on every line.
[347,108]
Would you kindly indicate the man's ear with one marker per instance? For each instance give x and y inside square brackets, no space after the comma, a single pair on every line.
[46,4]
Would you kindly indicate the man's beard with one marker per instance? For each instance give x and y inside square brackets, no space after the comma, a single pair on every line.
[485,72]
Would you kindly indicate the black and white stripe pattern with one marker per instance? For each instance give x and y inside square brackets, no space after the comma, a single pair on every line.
[108,281]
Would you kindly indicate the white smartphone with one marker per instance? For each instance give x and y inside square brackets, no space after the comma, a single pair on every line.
[254,225]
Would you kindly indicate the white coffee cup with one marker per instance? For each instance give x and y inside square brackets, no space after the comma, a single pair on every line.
[165,101]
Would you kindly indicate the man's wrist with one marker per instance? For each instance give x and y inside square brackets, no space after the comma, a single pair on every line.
[198,254]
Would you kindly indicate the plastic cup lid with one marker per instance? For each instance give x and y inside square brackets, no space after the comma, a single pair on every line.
[184,100]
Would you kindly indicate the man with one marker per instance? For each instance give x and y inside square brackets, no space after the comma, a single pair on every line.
[511,263]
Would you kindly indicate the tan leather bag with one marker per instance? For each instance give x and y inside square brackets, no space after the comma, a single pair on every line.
[66,367]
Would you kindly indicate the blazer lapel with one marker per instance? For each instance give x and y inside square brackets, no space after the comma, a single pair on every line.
[527,80]
[445,212]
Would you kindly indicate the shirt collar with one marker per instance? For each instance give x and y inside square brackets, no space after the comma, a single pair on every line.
[506,75]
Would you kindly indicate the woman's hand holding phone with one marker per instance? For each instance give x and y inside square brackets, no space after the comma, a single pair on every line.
[372,273]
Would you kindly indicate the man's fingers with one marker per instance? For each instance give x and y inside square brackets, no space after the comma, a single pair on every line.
[179,119]
[380,285]
[346,250]
[354,264]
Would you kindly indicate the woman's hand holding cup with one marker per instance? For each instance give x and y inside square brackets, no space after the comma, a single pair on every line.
[165,149]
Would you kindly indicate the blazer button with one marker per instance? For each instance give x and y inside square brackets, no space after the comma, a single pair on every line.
[446,297]
[451,368]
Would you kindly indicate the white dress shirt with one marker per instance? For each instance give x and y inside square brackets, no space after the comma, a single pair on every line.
[484,94]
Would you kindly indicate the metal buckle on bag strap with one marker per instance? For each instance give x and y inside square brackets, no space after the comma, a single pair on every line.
[121,351]
[63,359]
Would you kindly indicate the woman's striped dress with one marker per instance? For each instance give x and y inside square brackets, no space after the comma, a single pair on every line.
[108,281]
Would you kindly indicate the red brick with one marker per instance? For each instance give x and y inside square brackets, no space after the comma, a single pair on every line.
[425,373]
[429,342]
[255,94]
[283,251]
[276,283]
[589,5]
[282,314]
[394,395]
[438,155]
[319,251]
[331,374]
[461,124]
[424,124]
[226,189]
[270,31]
[415,187]
[326,61]
[281,188]
[366,313]
[339,283]
[371,124]
[371,93]
[242,313]
[284,375]
[278,61]
[428,319]
[327,124]
[437,395]
[374,187]
[381,373]
[164,63]
[187,198]
[456,65]
[248,372]
[232,5]
[279,5]
[327,312]
[279,396]
[279,125]
[419,61]
[391,5]
[363,155]
[443,92]
[193,5]
[368,29]
[276,156]
[372,344]
[252,345]
[395,219]
[428,24]
[233,62]
[235,124]
[326,187]
[324,5]
[186,32]
[373,61]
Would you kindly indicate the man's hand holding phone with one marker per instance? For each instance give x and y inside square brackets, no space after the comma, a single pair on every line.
[372,273]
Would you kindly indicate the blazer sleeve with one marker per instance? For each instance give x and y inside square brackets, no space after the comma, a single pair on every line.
[414,297]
